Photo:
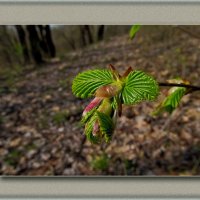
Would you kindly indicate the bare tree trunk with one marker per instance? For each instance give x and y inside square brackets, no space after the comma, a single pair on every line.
[88,33]
[8,48]
[100,33]
[82,33]
[22,38]
[43,42]
[49,40]
[35,44]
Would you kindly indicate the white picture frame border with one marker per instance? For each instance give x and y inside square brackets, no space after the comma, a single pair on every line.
[99,13]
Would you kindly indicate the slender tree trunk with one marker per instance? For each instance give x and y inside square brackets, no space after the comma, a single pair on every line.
[88,33]
[22,38]
[35,44]
[43,42]
[100,33]
[82,33]
[49,40]
[8,48]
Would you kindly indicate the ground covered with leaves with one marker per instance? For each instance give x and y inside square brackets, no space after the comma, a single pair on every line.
[40,130]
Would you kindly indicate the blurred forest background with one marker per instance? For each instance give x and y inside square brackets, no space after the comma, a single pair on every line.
[40,130]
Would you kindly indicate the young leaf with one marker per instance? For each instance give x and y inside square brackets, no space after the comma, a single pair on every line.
[93,104]
[134,30]
[106,125]
[89,130]
[139,87]
[87,116]
[86,83]
[173,97]
[172,101]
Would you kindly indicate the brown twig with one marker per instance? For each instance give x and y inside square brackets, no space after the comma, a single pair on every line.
[192,87]
[115,73]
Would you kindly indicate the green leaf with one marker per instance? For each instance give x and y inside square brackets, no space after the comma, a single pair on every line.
[106,125]
[134,30]
[88,115]
[89,129]
[139,87]
[86,83]
[172,101]
[114,102]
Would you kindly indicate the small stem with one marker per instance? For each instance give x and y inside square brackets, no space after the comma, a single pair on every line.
[127,72]
[193,87]
[114,72]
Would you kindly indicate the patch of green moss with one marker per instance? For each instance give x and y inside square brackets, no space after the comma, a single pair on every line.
[60,118]
[100,162]
[13,157]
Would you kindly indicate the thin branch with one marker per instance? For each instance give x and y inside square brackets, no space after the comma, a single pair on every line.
[193,87]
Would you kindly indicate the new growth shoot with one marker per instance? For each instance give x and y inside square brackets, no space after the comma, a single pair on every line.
[110,90]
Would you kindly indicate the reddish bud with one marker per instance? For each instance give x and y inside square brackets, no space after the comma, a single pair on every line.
[115,73]
[107,91]
[94,103]
[127,72]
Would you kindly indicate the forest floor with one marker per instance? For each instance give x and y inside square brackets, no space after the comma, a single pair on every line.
[40,131]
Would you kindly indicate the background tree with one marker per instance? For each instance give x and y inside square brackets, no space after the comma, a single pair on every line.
[100,32]
[35,44]
[40,42]
[49,40]
[43,42]
[46,41]
[22,38]
[86,35]
[82,36]
[5,41]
